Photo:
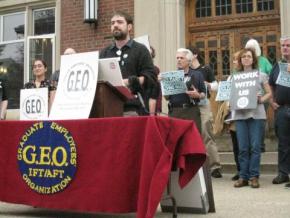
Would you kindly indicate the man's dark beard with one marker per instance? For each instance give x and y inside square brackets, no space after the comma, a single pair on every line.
[119,35]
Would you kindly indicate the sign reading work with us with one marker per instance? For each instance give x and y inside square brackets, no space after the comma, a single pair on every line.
[47,157]
[244,90]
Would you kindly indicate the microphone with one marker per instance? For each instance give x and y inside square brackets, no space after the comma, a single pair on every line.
[141,100]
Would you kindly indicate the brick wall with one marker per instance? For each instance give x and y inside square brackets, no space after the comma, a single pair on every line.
[85,37]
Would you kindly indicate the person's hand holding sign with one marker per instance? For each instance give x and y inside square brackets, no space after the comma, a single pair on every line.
[194,93]
[260,101]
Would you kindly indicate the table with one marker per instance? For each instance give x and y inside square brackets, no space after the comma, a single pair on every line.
[123,163]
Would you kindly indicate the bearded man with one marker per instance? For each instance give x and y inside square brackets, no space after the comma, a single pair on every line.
[136,66]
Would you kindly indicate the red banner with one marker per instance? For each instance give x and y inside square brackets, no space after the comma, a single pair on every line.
[123,163]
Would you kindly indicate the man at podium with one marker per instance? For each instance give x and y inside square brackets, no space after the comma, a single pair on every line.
[136,66]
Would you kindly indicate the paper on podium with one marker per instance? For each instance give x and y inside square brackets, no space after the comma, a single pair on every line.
[109,70]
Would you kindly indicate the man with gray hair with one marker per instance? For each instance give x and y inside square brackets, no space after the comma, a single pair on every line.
[185,105]
[281,105]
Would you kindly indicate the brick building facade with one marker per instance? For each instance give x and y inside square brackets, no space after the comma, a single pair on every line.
[88,37]
[44,29]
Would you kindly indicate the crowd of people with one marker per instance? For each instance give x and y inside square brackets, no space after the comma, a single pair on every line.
[143,79]
[247,127]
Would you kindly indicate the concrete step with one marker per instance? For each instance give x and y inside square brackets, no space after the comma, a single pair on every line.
[268,165]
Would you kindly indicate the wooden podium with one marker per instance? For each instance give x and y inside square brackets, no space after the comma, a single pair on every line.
[108,101]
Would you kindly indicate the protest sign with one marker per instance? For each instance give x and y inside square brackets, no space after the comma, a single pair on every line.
[172,82]
[244,90]
[284,76]
[224,91]
[76,87]
[34,104]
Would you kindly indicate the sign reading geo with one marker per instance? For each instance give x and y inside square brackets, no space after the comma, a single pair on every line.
[34,104]
[76,86]
[47,157]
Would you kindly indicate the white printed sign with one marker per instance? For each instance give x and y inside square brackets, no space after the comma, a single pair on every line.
[143,40]
[224,91]
[284,76]
[172,82]
[76,87]
[244,90]
[34,104]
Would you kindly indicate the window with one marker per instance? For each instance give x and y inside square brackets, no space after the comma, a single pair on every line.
[41,44]
[223,7]
[13,27]
[12,65]
[244,6]
[41,47]
[202,58]
[12,54]
[271,38]
[200,45]
[212,43]
[271,50]
[203,8]
[226,62]
[44,21]
[213,61]
[15,43]
[265,5]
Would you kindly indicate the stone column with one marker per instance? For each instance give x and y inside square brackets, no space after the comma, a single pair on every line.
[285,17]
[164,22]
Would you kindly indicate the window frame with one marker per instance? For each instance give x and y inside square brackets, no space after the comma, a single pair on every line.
[27,51]
[203,8]
[29,24]
[33,19]
[268,3]
[2,26]
[219,7]
[246,4]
